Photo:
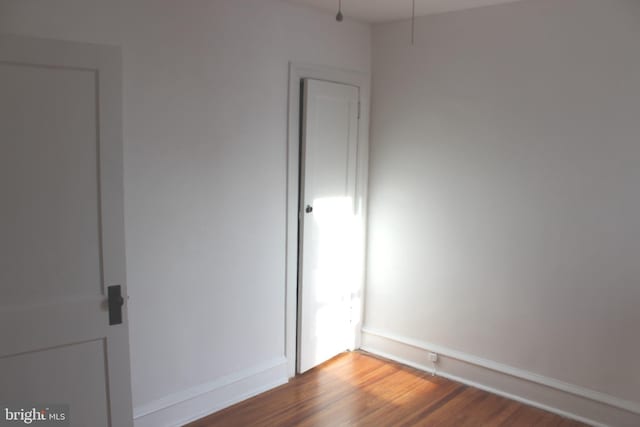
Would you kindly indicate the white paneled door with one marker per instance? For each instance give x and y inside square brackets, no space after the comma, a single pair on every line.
[61,231]
[329,240]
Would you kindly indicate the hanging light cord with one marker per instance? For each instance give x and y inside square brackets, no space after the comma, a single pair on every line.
[413,21]
[339,16]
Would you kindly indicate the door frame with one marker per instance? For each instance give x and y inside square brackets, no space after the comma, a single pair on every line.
[297,72]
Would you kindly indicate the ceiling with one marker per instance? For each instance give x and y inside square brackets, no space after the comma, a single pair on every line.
[375,11]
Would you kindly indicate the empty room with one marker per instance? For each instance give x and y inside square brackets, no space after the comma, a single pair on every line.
[319,213]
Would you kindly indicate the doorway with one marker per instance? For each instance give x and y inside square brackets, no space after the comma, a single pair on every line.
[327,231]
[326,202]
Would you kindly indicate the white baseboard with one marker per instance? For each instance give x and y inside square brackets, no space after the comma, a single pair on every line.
[568,400]
[189,405]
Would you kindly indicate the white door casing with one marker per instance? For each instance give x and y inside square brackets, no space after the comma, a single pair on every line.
[62,229]
[329,234]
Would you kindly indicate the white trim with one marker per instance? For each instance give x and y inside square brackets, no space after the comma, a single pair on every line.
[485,388]
[510,370]
[391,345]
[188,405]
[298,71]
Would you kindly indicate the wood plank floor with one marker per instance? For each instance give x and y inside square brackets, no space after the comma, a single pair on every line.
[357,389]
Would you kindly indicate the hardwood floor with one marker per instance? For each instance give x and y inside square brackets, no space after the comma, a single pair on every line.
[357,389]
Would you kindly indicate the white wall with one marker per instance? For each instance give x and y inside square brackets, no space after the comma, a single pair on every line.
[205,122]
[505,188]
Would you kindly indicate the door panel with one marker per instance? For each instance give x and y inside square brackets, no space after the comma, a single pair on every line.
[48,376]
[61,229]
[328,230]
[49,179]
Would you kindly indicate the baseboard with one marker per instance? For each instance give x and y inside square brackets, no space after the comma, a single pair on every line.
[568,400]
[189,405]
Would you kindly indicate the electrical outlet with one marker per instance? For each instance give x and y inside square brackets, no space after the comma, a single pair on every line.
[433,357]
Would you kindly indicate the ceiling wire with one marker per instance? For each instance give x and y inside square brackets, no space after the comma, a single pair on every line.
[413,22]
[339,16]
